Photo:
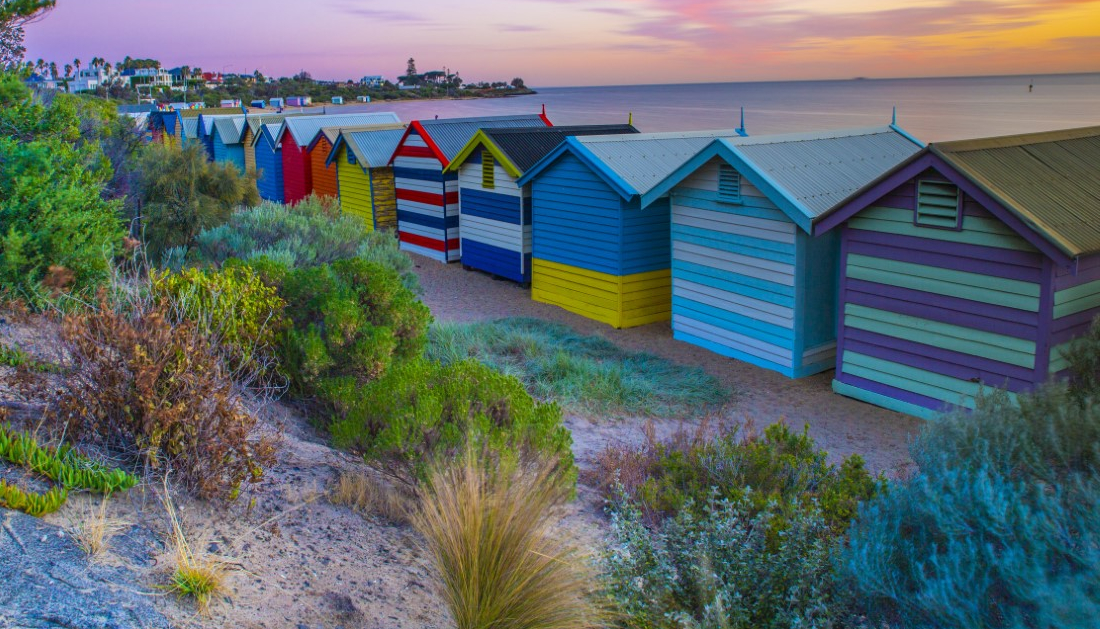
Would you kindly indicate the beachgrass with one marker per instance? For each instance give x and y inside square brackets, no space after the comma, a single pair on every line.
[583,373]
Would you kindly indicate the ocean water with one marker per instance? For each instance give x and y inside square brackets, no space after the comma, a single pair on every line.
[933,109]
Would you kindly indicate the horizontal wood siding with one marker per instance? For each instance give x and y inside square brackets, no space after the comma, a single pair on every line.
[929,316]
[619,301]
[576,219]
[297,181]
[324,178]
[495,237]
[427,202]
[646,242]
[269,166]
[249,150]
[736,279]
[355,192]
[1076,305]
[384,198]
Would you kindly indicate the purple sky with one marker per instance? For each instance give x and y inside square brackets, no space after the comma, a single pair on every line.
[585,42]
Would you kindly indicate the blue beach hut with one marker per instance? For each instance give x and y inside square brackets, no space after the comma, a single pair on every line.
[269,162]
[227,140]
[600,238]
[749,280]
[494,211]
[973,264]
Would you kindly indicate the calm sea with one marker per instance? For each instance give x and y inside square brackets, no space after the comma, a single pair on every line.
[934,109]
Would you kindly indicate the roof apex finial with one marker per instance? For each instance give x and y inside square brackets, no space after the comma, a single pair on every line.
[894,116]
[629,117]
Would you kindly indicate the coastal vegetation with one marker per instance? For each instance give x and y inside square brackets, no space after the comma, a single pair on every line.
[586,373]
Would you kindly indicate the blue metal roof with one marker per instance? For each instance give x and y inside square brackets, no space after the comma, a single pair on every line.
[230,129]
[633,164]
[371,148]
[805,174]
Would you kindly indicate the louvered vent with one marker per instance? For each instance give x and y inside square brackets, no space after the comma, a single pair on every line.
[488,170]
[937,204]
[351,158]
[729,184]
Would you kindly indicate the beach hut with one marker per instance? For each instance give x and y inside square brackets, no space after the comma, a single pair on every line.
[253,123]
[227,138]
[494,211]
[973,264]
[323,175]
[749,279]
[364,176]
[298,132]
[427,198]
[190,131]
[598,249]
[269,162]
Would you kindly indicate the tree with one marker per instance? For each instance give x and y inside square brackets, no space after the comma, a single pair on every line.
[22,12]
[518,83]
[76,63]
[181,193]
[53,69]
[11,46]
[68,70]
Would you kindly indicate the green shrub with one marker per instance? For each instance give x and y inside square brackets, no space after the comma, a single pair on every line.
[62,465]
[353,320]
[233,306]
[54,218]
[182,193]
[585,372]
[311,233]
[779,467]
[716,566]
[29,502]
[1000,527]
[421,412]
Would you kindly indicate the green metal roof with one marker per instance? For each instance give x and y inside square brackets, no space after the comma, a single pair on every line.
[1050,180]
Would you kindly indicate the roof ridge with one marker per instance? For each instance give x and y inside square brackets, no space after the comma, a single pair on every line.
[1019,139]
[441,121]
[807,136]
[665,135]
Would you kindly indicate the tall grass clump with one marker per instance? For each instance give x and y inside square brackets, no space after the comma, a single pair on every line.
[197,574]
[498,559]
[588,373]
[311,233]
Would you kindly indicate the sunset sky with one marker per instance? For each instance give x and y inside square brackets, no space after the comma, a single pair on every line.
[585,42]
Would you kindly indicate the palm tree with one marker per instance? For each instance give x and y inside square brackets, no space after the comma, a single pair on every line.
[68,70]
[76,62]
[40,66]
[53,70]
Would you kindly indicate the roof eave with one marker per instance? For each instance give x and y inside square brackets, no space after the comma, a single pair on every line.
[578,150]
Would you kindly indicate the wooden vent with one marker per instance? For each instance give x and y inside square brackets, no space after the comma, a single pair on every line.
[937,204]
[729,184]
[488,170]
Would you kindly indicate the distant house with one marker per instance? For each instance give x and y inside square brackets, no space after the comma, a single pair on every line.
[149,78]
[972,264]
[364,176]
[427,197]
[494,211]
[375,80]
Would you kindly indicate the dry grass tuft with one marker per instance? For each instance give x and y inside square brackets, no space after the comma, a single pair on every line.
[498,559]
[370,495]
[199,575]
[93,530]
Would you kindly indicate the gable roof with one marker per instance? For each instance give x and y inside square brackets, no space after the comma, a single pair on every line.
[632,164]
[447,136]
[517,150]
[331,133]
[372,149]
[1044,185]
[1050,180]
[304,128]
[230,129]
[256,120]
[807,174]
[189,128]
[271,131]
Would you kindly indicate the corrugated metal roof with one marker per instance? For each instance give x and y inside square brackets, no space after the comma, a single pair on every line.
[1050,180]
[331,133]
[230,129]
[643,160]
[304,128]
[819,170]
[272,131]
[136,109]
[451,134]
[190,128]
[374,148]
[525,147]
[208,122]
